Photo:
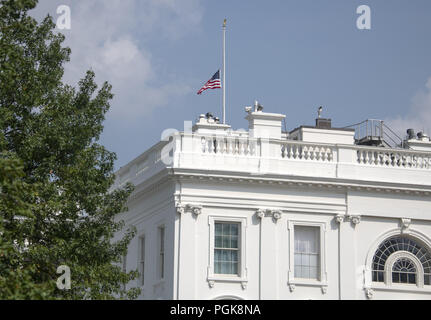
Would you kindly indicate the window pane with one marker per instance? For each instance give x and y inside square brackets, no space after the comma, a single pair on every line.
[234,229]
[297,259]
[313,272]
[218,241]
[305,260]
[234,242]
[225,242]
[226,250]
[234,256]
[218,229]
[234,268]
[307,252]
[313,260]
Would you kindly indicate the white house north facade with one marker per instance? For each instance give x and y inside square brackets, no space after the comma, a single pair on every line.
[315,213]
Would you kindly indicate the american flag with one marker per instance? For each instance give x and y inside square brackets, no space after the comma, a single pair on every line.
[213,83]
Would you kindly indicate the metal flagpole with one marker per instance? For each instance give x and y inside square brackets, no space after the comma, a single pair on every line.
[224,71]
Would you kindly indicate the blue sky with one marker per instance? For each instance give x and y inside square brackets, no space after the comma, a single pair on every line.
[291,55]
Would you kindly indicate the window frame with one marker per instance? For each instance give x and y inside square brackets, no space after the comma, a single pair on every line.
[141,258]
[393,258]
[322,274]
[369,284]
[237,249]
[242,263]
[161,246]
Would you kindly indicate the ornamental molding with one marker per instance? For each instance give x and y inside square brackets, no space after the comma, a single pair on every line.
[211,283]
[340,184]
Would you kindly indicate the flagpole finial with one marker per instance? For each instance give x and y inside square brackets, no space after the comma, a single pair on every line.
[224,23]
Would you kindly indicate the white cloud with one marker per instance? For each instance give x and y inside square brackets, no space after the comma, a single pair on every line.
[418,116]
[111,38]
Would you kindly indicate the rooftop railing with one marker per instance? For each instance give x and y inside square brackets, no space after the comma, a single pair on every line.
[233,152]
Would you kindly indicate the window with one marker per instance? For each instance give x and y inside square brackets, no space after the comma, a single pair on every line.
[227,259]
[403,260]
[404,271]
[142,259]
[161,252]
[307,252]
[226,248]
[307,258]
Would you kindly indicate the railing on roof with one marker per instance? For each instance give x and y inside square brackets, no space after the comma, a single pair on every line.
[376,132]
[240,152]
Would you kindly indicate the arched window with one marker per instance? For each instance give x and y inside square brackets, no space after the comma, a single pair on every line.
[404,271]
[401,259]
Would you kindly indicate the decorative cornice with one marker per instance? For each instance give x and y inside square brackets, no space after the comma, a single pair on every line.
[220,176]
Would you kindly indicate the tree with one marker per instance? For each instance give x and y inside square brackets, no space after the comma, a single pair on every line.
[56,206]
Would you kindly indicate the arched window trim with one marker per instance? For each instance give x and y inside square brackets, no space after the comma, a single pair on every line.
[404,254]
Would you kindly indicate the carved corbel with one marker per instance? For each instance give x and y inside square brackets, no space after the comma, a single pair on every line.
[369,293]
[291,287]
[355,219]
[339,218]
[260,213]
[243,285]
[180,208]
[405,223]
[324,289]
[195,209]
[211,284]
[276,214]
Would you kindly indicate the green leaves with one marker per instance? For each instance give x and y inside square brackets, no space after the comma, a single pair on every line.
[55,208]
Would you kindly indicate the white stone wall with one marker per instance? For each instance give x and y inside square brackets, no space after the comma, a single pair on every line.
[347,245]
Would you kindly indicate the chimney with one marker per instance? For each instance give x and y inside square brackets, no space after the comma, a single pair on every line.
[263,124]
[322,123]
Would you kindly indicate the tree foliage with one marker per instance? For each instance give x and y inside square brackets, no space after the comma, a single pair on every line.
[56,207]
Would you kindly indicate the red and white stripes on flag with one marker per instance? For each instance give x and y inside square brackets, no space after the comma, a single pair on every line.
[213,83]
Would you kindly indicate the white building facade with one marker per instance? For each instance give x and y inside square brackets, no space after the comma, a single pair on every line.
[265,214]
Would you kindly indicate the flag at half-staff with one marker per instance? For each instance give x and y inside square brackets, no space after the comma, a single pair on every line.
[213,83]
